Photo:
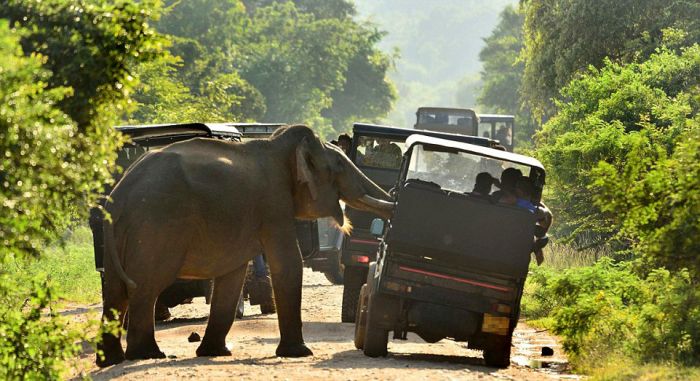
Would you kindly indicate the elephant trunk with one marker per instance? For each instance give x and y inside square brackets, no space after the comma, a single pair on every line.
[374,199]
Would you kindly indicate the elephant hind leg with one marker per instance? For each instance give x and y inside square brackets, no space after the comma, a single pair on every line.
[109,350]
[227,290]
[140,338]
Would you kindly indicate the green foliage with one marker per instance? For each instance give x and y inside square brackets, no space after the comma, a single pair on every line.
[36,340]
[60,96]
[66,74]
[306,66]
[606,311]
[618,153]
[564,37]
[91,47]
[278,61]
[503,72]
[69,266]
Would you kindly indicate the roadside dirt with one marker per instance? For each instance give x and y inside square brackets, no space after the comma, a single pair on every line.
[254,338]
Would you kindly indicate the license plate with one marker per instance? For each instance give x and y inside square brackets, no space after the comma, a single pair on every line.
[495,324]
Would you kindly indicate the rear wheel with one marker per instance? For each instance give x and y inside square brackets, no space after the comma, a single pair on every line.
[268,308]
[376,337]
[361,318]
[354,278]
[497,351]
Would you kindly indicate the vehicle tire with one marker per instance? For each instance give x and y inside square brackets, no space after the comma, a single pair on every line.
[335,275]
[268,308]
[361,318]
[497,351]
[354,278]
[376,338]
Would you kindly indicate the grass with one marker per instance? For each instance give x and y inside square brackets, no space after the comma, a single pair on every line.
[626,370]
[599,364]
[560,257]
[70,267]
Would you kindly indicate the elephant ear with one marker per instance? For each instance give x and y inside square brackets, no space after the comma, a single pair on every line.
[304,174]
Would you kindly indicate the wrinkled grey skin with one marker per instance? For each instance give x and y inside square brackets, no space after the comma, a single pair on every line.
[200,209]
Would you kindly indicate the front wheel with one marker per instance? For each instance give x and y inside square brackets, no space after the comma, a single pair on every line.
[376,337]
[361,318]
[355,277]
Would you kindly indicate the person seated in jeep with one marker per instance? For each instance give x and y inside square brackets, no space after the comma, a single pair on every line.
[524,191]
[506,193]
[482,185]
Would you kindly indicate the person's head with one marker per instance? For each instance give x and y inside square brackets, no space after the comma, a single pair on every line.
[524,188]
[509,177]
[483,183]
[344,142]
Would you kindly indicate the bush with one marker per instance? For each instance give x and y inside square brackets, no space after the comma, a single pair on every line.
[606,310]
[36,340]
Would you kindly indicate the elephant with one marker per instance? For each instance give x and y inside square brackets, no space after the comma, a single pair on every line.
[203,208]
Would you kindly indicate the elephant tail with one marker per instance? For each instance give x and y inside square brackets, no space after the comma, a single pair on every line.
[111,248]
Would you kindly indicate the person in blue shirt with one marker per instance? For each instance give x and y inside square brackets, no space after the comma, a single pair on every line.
[523,193]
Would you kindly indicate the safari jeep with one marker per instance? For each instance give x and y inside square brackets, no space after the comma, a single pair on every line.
[382,167]
[450,264]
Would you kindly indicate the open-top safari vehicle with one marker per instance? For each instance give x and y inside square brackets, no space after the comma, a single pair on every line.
[377,151]
[451,263]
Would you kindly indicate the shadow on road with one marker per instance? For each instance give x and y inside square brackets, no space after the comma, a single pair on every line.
[130,367]
[356,359]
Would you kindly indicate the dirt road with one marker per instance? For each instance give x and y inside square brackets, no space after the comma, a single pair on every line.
[254,338]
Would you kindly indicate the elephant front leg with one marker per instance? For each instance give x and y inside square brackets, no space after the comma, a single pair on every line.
[286,268]
[227,290]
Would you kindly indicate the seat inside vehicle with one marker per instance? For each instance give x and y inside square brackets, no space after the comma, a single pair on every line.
[456,230]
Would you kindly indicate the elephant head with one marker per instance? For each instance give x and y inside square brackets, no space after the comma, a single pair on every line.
[323,176]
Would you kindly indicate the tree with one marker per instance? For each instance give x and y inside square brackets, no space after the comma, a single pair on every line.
[622,157]
[564,37]
[503,72]
[65,109]
[68,68]
[303,66]
[280,61]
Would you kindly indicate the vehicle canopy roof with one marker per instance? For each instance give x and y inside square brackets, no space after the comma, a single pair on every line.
[257,130]
[445,109]
[496,117]
[389,131]
[474,149]
[144,134]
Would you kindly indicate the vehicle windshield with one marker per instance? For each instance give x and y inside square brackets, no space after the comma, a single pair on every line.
[454,170]
[379,152]
[454,117]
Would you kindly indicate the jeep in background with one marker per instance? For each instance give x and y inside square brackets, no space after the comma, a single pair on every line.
[451,263]
[377,151]
[444,119]
[465,121]
[499,127]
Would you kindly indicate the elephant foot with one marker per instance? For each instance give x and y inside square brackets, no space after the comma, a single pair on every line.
[211,350]
[109,358]
[293,350]
[109,353]
[144,354]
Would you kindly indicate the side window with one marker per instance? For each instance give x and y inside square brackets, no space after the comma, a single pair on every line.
[485,129]
[379,152]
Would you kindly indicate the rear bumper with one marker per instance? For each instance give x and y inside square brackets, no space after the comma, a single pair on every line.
[479,294]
